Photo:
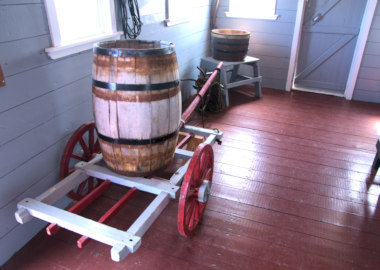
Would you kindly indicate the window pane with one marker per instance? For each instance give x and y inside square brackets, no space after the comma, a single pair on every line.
[253,7]
[78,19]
[178,9]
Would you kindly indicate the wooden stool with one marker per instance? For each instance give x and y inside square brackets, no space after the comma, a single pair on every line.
[376,161]
[234,79]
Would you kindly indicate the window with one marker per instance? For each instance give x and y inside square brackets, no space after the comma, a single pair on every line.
[177,12]
[257,9]
[76,24]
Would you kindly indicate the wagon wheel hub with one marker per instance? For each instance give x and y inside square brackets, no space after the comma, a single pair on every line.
[204,191]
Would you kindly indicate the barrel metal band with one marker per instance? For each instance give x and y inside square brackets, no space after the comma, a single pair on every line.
[229,44]
[236,51]
[135,87]
[137,141]
[120,52]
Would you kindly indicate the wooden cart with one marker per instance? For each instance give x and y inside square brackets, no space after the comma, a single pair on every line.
[87,179]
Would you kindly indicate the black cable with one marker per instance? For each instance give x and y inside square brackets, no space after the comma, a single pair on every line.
[134,29]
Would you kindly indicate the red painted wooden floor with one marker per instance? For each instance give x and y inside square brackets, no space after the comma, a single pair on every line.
[292,189]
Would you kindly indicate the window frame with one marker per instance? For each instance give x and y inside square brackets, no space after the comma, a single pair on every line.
[59,50]
[273,16]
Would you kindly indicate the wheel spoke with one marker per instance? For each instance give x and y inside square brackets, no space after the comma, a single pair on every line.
[199,168]
[202,158]
[196,174]
[189,207]
[91,184]
[190,215]
[206,167]
[192,191]
[197,211]
[189,211]
[79,157]
[81,188]
[84,147]
[202,173]
[206,173]
[193,219]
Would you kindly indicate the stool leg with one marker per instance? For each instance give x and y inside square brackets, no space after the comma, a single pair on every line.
[258,89]
[376,161]
[234,73]
[256,73]
[223,80]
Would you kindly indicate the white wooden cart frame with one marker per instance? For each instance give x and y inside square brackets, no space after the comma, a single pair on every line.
[122,242]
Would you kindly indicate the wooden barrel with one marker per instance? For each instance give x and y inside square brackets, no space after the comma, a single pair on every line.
[229,45]
[136,104]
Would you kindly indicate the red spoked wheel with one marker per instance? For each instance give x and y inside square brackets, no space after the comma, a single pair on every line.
[195,189]
[82,146]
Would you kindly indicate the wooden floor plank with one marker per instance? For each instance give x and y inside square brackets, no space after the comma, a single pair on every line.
[298,224]
[299,115]
[365,224]
[181,247]
[360,183]
[310,101]
[302,185]
[167,223]
[305,121]
[330,166]
[164,238]
[293,195]
[346,140]
[293,188]
[326,151]
[233,133]
[325,157]
[292,239]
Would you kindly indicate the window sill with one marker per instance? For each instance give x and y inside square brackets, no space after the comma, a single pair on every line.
[244,16]
[169,22]
[80,46]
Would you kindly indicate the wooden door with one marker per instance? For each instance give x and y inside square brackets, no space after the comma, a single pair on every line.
[329,34]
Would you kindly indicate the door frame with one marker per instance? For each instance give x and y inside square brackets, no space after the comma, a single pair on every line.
[361,42]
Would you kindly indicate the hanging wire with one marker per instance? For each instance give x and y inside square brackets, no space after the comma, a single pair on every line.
[134,29]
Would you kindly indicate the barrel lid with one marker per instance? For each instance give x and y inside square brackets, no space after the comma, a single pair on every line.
[133,48]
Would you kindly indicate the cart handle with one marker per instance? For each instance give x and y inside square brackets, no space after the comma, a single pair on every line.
[189,111]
